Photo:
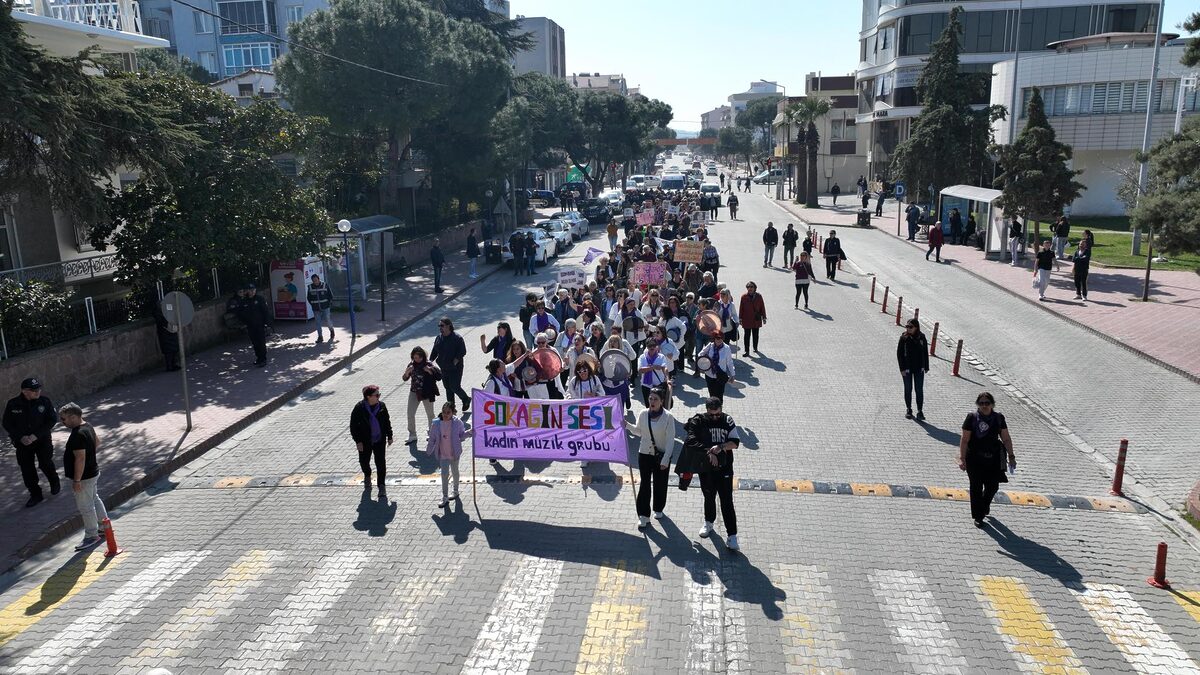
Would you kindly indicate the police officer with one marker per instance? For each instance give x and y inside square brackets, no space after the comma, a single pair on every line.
[253,312]
[28,419]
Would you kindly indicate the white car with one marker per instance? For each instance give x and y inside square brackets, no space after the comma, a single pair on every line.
[636,181]
[652,182]
[547,248]
[710,188]
[615,198]
[712,171]
[580,227]
[560,230]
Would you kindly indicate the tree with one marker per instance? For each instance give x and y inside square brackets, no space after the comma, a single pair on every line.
[948,142]
[804,114]
[1171,207]
[1036,182]
[162,61]
[535,124]
[735,142]
[229,206]
[612,129]
[707,150]
[1191,53]
[67,129]
[757,117]
[506,30]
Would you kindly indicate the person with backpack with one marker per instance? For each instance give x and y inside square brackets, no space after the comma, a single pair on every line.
[981,450]
[711,437]
[371,430]
[912,353]
[659,449]
[790,238]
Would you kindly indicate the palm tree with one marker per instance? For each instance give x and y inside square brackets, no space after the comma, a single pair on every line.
[805,113]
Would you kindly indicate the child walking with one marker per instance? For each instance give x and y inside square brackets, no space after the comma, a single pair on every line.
[446,434]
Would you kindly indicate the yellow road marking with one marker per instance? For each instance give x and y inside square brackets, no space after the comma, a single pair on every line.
[1028,498]
[63,585]
[803,486]
[1025,629]
[616,625]
[299,480]
[233,482]
[1190,600]
[871,489]
[954,494]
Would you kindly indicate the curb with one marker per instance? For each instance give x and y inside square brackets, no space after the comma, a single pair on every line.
[786,206]
[63,528]
[1193,502]
[1108,338]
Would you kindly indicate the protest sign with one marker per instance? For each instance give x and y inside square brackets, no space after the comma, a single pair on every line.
[689,251]
[652,273]
[548,291]
[672,210]
[645,218]
[627,213]
[572,277]
[590,429]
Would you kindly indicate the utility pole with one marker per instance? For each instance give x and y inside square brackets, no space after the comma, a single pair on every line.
[1144,167]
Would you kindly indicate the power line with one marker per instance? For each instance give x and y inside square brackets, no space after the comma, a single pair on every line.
[297,45]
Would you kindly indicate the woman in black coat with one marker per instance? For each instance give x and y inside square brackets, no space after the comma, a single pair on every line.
[371,429]
[913,355]
[832,250]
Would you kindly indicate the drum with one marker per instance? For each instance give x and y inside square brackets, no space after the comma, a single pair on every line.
[708,322]
[674,333]
[547,361]
[704,363]
[528,372]
[615,365]
[632,324]
[591,361]
[551,336]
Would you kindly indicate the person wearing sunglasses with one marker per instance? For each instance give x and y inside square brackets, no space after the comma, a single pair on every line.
[981,452]
[371,429]
[912,353]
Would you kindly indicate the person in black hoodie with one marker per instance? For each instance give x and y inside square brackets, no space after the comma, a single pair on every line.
[913,355]
[790,237]
[371,429]
[708,449]
[770,241]
[832,250]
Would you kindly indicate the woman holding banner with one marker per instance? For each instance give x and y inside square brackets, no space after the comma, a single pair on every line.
[659,449]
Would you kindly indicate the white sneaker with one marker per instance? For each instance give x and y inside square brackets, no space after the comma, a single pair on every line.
[732,543]
[706,530]
[582,464]
[643,521]
[658,515]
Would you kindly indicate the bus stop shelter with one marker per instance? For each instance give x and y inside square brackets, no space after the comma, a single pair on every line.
[980,202]
[371,248]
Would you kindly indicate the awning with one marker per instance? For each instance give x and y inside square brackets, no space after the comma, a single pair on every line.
[971,192]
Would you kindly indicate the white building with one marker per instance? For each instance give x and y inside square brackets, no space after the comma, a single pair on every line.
[549,54]
[896,37]
[718,118]
[1095,91]
[758,89]
[597,82]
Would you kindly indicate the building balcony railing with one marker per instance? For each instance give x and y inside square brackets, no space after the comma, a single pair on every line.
[119,15]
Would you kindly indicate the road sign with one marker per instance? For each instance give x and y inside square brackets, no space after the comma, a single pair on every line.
[899,189]
[177,309]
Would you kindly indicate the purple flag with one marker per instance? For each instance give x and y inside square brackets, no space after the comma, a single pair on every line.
[592,254]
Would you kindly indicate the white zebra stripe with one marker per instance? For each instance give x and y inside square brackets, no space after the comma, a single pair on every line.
[812,637]
[1145,645]
[511,632]
[717,632]
[917,625]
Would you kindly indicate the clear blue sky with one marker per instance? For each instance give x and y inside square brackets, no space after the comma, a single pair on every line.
[694,55]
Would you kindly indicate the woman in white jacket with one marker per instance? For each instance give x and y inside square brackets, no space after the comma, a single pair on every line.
[660,447]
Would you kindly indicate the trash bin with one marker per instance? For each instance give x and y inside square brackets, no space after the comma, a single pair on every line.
[864,218]
[491,252]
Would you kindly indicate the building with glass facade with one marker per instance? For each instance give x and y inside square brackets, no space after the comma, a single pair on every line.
[897,34]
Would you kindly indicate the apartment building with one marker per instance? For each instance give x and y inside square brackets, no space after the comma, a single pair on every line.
[549,54]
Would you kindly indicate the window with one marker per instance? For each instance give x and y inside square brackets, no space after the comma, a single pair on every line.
[245,89]
[294,13]
[209,61]
[202,22]
[259,55]
[247,17]
[1106,98]
[842,130]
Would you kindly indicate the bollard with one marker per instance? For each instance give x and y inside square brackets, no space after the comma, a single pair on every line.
[899,306]
[1159,580]
[917,314]
[957,357]
[1119,476]
[933,343]
[873,280]
[111,539]
[885,294]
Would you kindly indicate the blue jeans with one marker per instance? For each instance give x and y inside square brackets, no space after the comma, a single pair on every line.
[768,254]
[323,319]
[437,276]
[914,379]
[472,270]
[530,261]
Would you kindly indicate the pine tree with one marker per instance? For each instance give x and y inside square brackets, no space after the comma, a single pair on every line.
[1036,181]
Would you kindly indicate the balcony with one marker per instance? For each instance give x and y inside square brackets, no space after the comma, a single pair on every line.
[66,27]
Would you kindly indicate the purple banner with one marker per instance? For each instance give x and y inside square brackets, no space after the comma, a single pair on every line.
[590,429]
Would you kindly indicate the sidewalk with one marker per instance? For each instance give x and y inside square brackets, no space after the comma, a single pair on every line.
[141,422]
[1163,329]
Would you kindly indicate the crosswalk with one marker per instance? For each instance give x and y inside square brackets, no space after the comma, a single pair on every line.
[266,611]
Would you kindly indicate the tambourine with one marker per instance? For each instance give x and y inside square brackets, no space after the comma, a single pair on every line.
[709,322]
[615,365]
[632,324]
[704,363]
[551,335]
[590,360]
[528,372]
[674,333]
[547,361]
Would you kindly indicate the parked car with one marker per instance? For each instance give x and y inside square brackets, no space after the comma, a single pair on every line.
[769,177]
[546,246]
[597,211]
[710,188]
[560,230]
[580,227]
[652,182]
[636,181]
[543,198]
[615,199]
[712,171]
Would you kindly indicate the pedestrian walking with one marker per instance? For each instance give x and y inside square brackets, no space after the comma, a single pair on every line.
[81,467]
[498,347]
[879,200]
[1015,239]
[525,315]
[981,451]
[770,241]
[321,300]
[1081,260]
[710,439]
[516,246]
[29,419]
[1041,271]
[835,191]
[720,369]
[912,216]
[1062,235]
[722,177]
[438,259]
[752,314]
[936,239]
[832,250]
[448,353]
[790,238]
[729,317]
[912,353]
[252,310]
[612,230]
[659,449]
[371,429]
[653,369]
[422,377]
[472,253]
[585,383]
[733,206]
[446,434]
[497,382]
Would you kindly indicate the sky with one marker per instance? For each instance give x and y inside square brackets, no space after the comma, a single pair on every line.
[694,55]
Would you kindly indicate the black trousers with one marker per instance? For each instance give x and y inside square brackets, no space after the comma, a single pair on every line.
[915,379]
[716,386]
[453,381]
[716,484]
[29,458]
[364,459]
[654,480]
[518,265]
[982,490]
[751,335]
[801,289]
[831,266]
[932,249]
[1081,283]
[789,255]
[258,340]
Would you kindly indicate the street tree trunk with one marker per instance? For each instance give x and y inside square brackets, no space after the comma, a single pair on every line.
[801,180]
[814,145]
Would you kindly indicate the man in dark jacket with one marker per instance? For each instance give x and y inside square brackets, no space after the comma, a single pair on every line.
[912,215]
[448,353]
[437,259]
[253,312]
[28,419]
[516,246]
[472,253]
[912,354]
[1062,232]
[708,449]
[770,241]
[790,237]
[531,250]
[321,299]
[525,314]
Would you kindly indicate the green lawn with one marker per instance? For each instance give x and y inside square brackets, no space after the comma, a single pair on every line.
[1093,223]
[1112,248]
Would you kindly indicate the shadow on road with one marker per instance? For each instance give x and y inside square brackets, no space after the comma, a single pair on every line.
[1035,556]
[374,516]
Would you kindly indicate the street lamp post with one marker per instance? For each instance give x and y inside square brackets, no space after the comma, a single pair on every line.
[343,226]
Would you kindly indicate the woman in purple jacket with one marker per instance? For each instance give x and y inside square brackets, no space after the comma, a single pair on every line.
[446,435]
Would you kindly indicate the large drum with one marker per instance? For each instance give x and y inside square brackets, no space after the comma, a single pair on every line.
[709,322]
[615,365]
[632,324]
[591,361]
[547,361]
[704,364]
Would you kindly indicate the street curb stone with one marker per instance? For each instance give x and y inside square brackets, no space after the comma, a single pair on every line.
[1193,502]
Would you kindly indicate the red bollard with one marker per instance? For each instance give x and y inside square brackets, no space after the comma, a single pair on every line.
[111,539]
[873,280]
[899,306]
[885,294]
[933,343]
[1159,580]
[1119,476]
[957,357]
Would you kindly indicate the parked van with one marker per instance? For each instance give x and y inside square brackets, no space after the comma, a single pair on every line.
[674,181]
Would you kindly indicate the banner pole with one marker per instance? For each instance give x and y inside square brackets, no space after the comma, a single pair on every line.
[474,484]
[632,492]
